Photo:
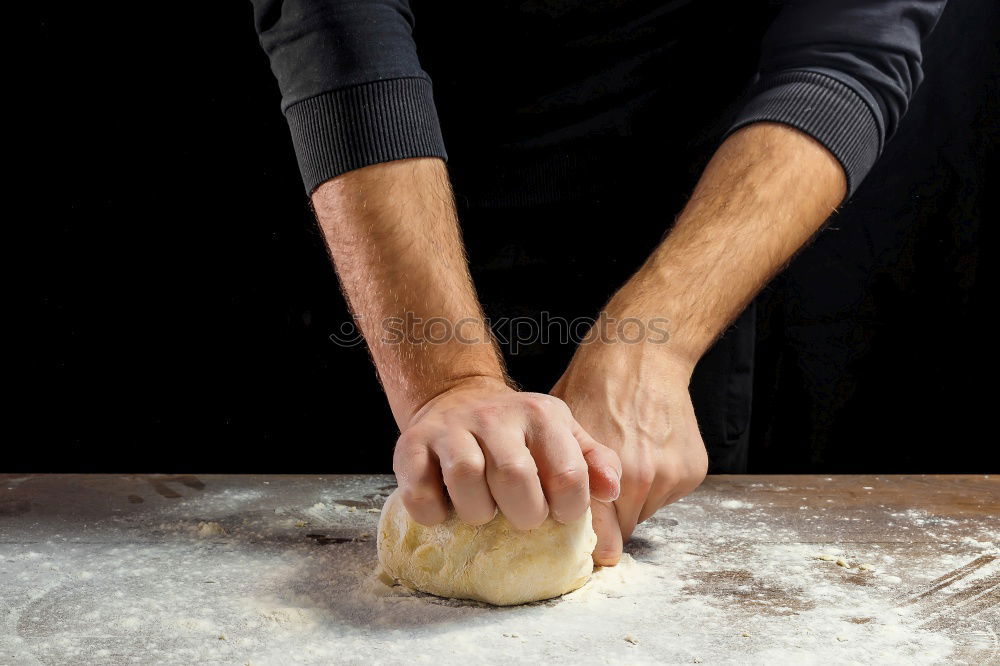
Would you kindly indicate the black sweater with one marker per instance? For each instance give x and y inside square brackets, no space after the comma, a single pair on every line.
[548,99]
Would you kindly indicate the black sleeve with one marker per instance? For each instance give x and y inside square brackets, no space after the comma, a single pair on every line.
[352,88]
[842,71]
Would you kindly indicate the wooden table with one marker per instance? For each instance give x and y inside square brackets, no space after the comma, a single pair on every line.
[279,569]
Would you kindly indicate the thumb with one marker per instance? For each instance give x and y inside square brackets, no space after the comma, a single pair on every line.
[609,534]
[603,466]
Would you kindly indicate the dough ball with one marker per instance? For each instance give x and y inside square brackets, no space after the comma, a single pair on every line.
[496,563]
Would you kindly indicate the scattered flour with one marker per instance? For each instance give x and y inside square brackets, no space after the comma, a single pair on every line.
[699,583]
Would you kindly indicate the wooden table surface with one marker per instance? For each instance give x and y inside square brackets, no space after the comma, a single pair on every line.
[273,569]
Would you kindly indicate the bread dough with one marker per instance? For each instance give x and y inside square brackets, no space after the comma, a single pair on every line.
[496,562]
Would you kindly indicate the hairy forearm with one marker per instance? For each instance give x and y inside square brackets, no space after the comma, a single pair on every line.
[764,194]
[395,241]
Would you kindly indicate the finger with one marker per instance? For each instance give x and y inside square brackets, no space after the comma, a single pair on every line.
[463,468]
[603,465]
[562,469]
[676,485]
[651,507]
[660,494]
[637,477]
[680,493]
[609,535]
[418,475]
[513,477]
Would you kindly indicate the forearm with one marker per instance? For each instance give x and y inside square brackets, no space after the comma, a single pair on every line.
[764,194]
[394,238]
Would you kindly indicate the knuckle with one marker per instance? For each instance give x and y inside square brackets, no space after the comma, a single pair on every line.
[536,403]
[515,473]
[404,462]
[418,497]
[557,406]
[692,481]
[540,405]
[700,470]
[411,438]
[697,478]
[464,469]
[405,441]
[571,479]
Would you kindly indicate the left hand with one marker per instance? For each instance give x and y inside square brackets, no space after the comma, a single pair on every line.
[634,398]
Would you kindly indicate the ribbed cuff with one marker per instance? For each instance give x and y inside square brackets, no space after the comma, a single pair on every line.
[825,109]
[350,128]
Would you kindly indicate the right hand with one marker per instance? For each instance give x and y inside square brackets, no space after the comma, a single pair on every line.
[493,448]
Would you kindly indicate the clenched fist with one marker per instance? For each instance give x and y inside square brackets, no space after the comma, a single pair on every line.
[486,446]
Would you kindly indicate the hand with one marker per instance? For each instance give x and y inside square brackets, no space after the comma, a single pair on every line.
[494,447]
[634,397]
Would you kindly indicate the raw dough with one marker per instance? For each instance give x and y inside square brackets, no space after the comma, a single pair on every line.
[496,563]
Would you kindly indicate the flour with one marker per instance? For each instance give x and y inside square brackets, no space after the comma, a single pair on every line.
[980,545]
[800,608]
[227,578]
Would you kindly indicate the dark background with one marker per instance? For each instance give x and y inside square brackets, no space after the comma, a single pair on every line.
[179,297]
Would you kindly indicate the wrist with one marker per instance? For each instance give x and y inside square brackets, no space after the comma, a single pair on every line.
[419,357]
[616,363]
[669,339]
[493,382]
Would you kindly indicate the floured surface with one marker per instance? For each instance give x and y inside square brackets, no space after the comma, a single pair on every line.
[275,570]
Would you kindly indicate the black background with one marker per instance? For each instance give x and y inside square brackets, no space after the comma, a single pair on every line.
[179,297]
